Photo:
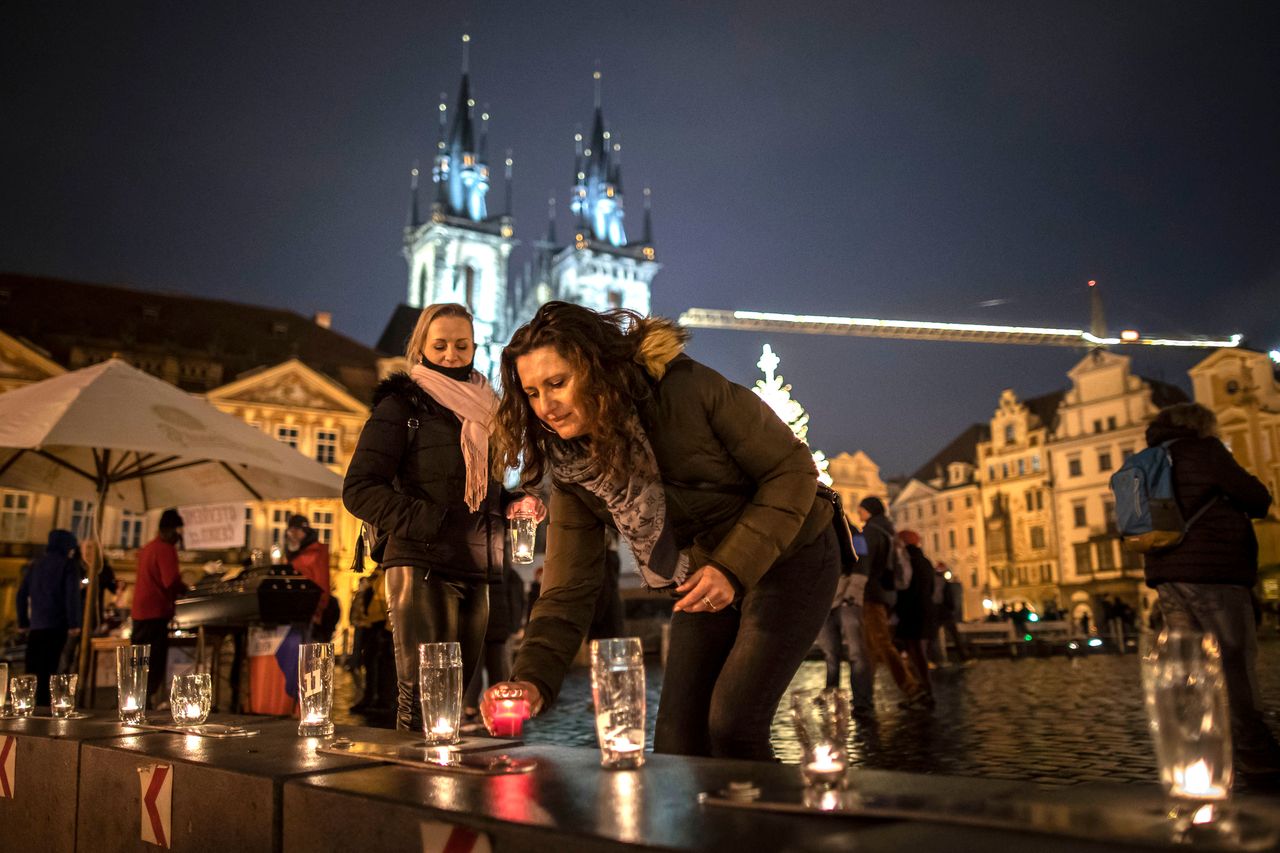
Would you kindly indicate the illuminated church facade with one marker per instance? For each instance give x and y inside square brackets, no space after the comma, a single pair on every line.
[458,242]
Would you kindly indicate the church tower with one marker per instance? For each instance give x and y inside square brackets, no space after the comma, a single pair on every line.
[460,253]
[602,267]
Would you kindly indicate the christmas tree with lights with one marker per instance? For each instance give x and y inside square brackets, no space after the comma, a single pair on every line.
[777,395]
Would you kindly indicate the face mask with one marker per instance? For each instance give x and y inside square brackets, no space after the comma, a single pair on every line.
[460,374]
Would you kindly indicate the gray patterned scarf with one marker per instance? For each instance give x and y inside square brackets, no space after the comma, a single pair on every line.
[635,499]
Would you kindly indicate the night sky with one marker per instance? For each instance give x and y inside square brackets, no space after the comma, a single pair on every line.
[892,159]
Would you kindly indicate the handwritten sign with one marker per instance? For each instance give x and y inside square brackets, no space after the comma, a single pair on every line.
[213,526]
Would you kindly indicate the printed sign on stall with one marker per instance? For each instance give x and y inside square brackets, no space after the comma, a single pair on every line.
[439,837]
[213,527]
[157,803]
[8,765]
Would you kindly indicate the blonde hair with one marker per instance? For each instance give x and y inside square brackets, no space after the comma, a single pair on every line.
[413,352]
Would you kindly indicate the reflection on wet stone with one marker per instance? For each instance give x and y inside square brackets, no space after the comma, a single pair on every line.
[1050,721]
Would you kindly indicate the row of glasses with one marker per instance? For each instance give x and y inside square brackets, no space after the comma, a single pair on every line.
[21,690]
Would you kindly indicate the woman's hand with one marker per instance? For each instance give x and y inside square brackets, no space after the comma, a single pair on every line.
[530,504]
[509,690]
[707,591]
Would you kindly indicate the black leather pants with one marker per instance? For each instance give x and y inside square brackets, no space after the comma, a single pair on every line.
[423,608]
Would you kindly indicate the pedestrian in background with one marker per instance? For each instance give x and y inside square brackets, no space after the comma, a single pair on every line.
[369,618]
[49,607]
[915,611]
[158,586]
[877,636]
[309,557]
[841,634]
[1206,581]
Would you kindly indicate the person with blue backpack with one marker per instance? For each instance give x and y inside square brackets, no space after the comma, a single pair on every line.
[1186,503]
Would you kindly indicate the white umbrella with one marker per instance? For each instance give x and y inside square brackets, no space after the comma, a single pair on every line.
[112,433]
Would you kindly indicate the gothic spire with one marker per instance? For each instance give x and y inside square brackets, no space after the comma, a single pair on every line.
[462,139]
[510,161]
[646,237]
[438,170]
[414,219]
[551,218]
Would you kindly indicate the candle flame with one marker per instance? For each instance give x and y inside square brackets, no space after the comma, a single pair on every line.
[1196,780]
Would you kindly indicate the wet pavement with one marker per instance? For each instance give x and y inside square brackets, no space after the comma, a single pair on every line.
[1051,721]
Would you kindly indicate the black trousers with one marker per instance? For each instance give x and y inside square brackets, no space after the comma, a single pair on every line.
[44,651]
[726,671]
[424,608]
[154,633]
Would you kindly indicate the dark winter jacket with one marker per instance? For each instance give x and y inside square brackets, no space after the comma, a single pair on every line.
[50,594]
[879,534]
[740,492]
[915,603]
[413,488]
[1221,546]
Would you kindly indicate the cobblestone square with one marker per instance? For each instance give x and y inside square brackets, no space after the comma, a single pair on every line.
[1053,721]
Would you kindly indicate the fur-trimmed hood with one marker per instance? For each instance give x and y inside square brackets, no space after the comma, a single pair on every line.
[401,384]
[661,343]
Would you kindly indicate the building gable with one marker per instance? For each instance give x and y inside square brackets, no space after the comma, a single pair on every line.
[21,364]
[291,384]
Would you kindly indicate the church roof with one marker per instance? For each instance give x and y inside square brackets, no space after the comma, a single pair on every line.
[962,448]
[1164,394]
[1045,407]
[74,321]
[395,337]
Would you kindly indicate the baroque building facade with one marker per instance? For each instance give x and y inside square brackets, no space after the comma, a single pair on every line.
[291,376]
[1015,477]
[1102,421]
[942,502]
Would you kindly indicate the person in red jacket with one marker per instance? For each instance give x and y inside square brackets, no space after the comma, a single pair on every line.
[158,586]
[309,557]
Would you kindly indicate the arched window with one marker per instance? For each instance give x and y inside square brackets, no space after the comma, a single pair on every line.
[469,287]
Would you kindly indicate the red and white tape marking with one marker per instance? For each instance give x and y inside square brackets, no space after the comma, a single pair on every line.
[157,803]
[438,837]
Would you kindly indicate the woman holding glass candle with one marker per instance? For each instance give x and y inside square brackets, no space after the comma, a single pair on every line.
[713,493]
[420,474]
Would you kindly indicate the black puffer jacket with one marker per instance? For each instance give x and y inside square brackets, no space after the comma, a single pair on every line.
[414,488]
[1220,547]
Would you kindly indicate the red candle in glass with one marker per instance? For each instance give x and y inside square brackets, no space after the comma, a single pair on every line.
[508,716]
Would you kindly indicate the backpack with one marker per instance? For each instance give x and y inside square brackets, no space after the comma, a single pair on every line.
[900,562]
[1146,505]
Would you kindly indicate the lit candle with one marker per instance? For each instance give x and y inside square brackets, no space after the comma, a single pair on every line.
[314,718]
[624,745]
[191,711]
[1195,781]
[130,704]
[442,730]
[507,719]
[62,706]
[826,766]
[524,554]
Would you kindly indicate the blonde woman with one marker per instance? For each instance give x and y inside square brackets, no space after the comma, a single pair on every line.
[420,473]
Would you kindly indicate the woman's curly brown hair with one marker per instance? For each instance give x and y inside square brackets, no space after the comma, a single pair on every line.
[605,351]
